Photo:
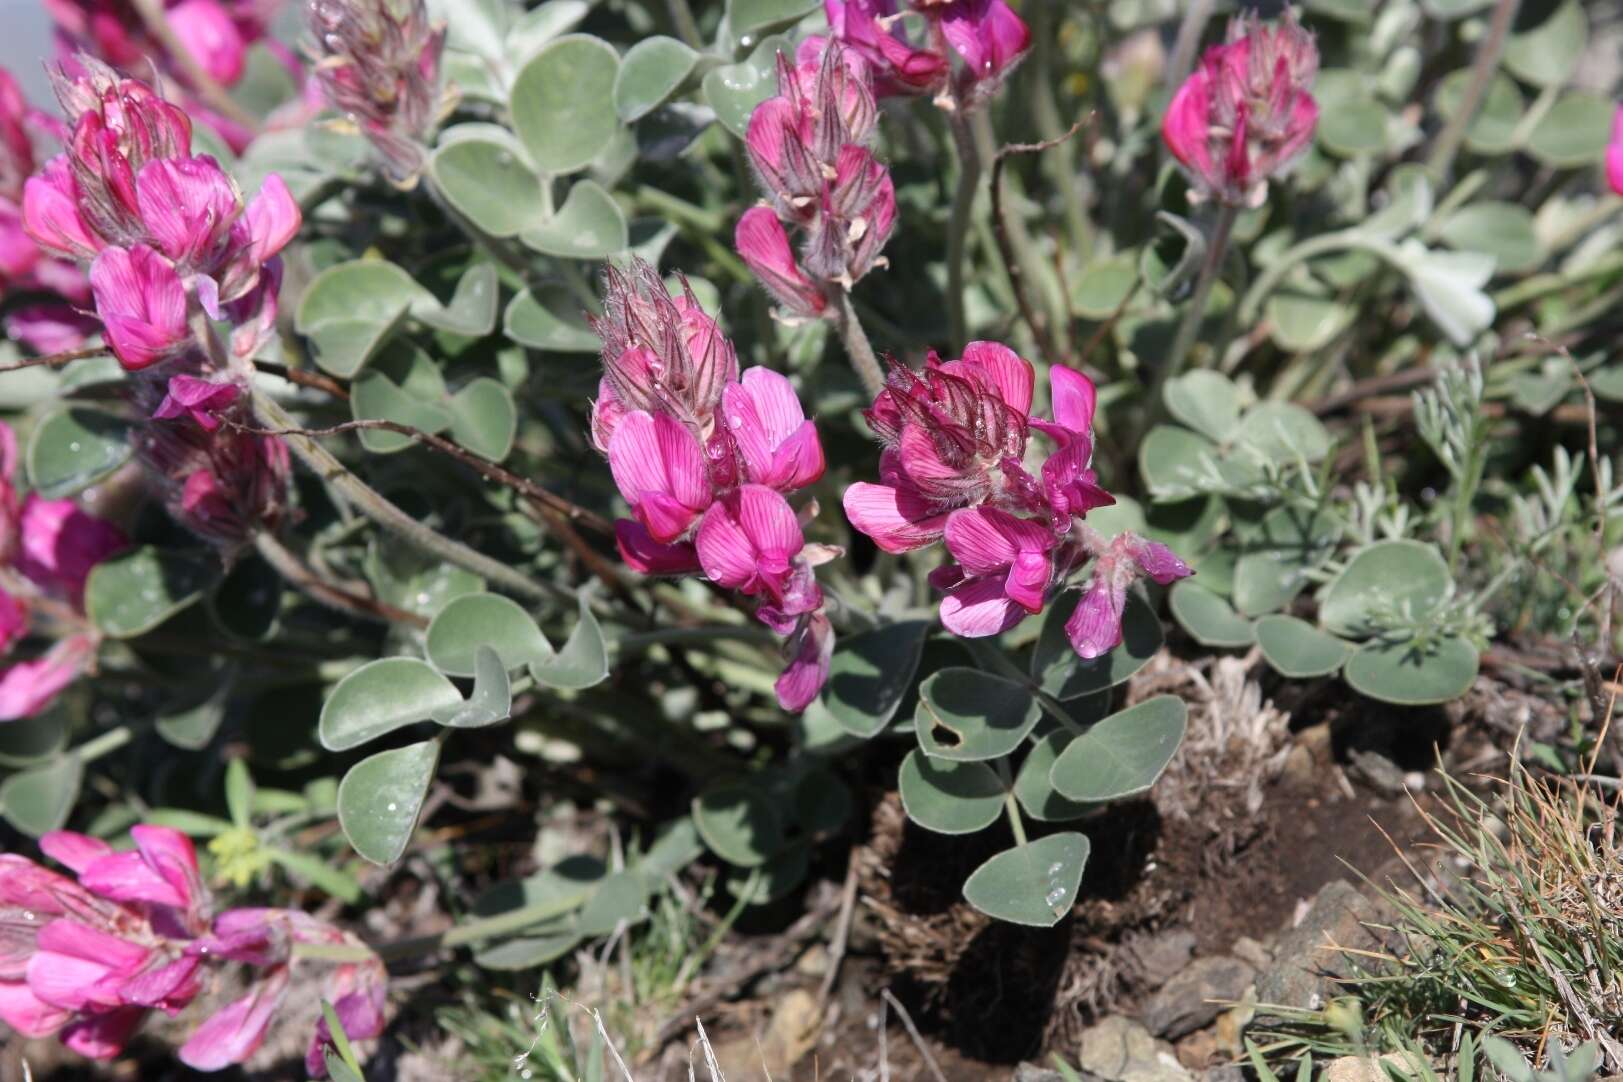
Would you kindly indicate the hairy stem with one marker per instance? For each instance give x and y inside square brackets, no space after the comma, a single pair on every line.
[385,513]
[1488,54]
[958,227]
[857,346]
[306,581]
[1188,41]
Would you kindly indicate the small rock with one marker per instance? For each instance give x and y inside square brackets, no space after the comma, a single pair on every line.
[1376,771]
[1306,959]
[1162,957]
[1030,1072]
[789,1036]
[1299,769]
[1197,1050]
[1253,953]
[1197,995]
[1118,1049]
[1227,1072]
[1369,1069]
[1317,739]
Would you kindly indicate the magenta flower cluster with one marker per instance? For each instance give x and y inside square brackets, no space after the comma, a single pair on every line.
[170,239]
[43,323]
[809,149]
[47,549]
[1247,112]
[90,958]
[986,35]
[957,437]
[705,457]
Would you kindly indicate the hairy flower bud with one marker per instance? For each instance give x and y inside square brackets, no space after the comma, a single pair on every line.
[1246,112]
[378,63]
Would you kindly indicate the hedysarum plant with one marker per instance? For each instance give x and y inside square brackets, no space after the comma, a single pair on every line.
[585,430]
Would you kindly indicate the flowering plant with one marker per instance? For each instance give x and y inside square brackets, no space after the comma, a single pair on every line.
[695,412]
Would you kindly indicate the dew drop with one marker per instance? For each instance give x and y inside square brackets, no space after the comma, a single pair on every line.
[1055,896]
[746,41]
[1055,868]
[27,915]
[393,806]
[74,446]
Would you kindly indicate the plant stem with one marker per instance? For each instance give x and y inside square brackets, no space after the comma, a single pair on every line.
[687,28]
[296,572]
[1482,72]
[469,932]
[105,744]
[1058,161]
[963,212]
[1188,42]
[1216,249]
[1323,244]
[642,640]
[386,514]
[857,346]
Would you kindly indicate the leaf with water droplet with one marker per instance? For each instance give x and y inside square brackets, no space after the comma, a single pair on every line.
[381,796]
[1033,884]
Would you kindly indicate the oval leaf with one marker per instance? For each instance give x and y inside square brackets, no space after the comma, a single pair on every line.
[382,696]
[1297,649]
[590,225]
[1060,673]
[1033,884]
[1411,674]
[562,103]
[1123,754]
[651,72]
[73,448]
[734,90]
[382,795]
[488,183]
[584,660]
[1388,584]
[870,673]
[1208,618]
[476,620]
[966,714]
[38,801]
[1034,785]
[739,824]
[549,317]
[949,797]
[132,593]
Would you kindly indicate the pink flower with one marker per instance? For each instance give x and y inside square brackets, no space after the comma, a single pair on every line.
[900,67]
[810,649]
[648,557]
[235,1031]
[209,34]
[1246,112]
[61,543]
[13,622]
[660,470]
[162,870]
[1004,571]
[763,245]
[769,433]
[51,212]
[987,35]
[1094,628]
[807,146]
[750,541]
[142,305]
[28,687]
[200,399]
[1614,153]
[188,206]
